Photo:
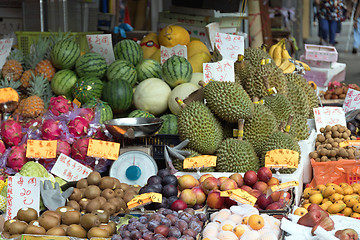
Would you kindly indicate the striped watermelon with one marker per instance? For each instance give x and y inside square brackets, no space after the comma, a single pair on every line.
[64,54]
[63,81]
[87,88]
[123,70]
[101,106]
[170,124]
[128,50]
[176,70]
[91,64]
[148,68]
[140,114]
[118,94]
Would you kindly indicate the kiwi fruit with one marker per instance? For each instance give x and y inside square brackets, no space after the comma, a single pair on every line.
[136,188]
[92,192]
[56,231]
[124,186]
[64,226]
[27,214]
[71,217]
[64,209]
[93,205]
[108,193]
[35,223]
[103,215]
[35,230]
[82,183]
[82,190]
[129,195]
[119,203]
[75,230]
[7,224]
[107,182]
[108,228]
[94,178]
[52,213]
[47,221]
[74,204]
[117,183]
[97,232]
[89,220]
[17,227]
[101,199]
[111,208]
[76,195]
[83,203]
[119,193]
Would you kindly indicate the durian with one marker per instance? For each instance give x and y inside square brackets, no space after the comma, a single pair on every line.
[280,106]
[255,55]
[298,99]
[179,164]
[300,128]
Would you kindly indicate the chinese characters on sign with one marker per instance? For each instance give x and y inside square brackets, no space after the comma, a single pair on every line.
[144,199]
[178,50]
[200,161]
[102,45]
[240,196]
[22,192]
[41,149]
[5,48]
[352,100]
[70,170]
[219,71]
[103,149]
[329,116]
[279,158]
[229,46]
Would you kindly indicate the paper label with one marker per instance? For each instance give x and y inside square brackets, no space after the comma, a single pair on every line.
[102,44]
[240,196]
[103,149]
[144,199]
[279,158]
[352,100]
[230,46]
[77,102]
[352,143]
[284,186]
[5,49]
[219,71]
[178,50]
[200,161]
[41,149]
[68,169]
[211,29]
[329,116]
[32,237]
[8,95]
[22,192]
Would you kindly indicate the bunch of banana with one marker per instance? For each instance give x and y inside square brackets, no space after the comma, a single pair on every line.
[281,57]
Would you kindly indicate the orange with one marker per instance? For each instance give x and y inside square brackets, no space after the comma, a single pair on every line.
[256,222]
[172,35]
[239,231]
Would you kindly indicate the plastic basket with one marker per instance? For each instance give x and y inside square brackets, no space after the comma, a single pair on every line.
[353,179]
[25,39]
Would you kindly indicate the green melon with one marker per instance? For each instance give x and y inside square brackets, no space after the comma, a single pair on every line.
[63,81]
[176,70]
[169,125]
[101,106]
[123,70]
[148,68]
[87,88]
[140,114]
[64,54]
[118,94]
[128,50]
[91,64]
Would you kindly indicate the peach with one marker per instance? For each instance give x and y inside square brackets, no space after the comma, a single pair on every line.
[261,186]
[250,178]
[273,181]
[210,183]
[246,188]
[222,179]
[187,182]
[214,200]
[205,176]
[237,178]
[228,184]
[256,193]
[189,197]
[264,174]
[200,195]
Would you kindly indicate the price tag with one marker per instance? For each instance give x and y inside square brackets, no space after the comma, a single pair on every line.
[352,143]
[329,116]
[219,71]
[8,95]
[22,192]
[144,199]
[77,102]
[281,187]
[5,49]
[279,158]
[166,53]
[240,196]
[229,46]
[103,149]
[34,237]
[41,149]
[200,161]
[102,45]
[352,100]
[68,169]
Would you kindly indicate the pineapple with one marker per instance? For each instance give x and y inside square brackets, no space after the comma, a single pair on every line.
[12,69]
[45,68]
[56,37]
[25,78]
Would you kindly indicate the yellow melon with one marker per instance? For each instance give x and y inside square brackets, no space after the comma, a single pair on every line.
[172,35]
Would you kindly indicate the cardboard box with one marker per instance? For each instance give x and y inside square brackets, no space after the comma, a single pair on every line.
[315,63]
[321,53]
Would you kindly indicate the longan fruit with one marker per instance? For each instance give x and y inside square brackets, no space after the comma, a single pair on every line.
[351,156]
[334,128]
[335,134]
[328,135]
[343,153]
[320,138]
[324,152]
[324,159]
[345,135]
[328,146]
[333,159]
[330,140]
[341,129]
[348,132]
[338,140]
[317,144]
[332,153]
[327,128]
[317,159]
[335,144]
[322,130]
[313,155]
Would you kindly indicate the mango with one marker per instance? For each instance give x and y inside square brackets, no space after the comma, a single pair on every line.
[335,197]
[355,215]
[316,198]
[356,208]
[343,184]
[326,205]
[339,189]
[307,192]
[320,187]
[336,208]
[347,211]
[325,200]
[328,191]
[351,202]
[348,190]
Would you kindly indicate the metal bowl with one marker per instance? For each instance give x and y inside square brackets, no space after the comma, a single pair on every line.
[133,127]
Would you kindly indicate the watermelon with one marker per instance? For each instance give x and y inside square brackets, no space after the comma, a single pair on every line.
[87,88]
[64,54]
[63,81]
[91,64]
[101,106]
[128,50]
[169,125]
[176,70]
[140,114]
[118,94]
[123,70]
[148,68]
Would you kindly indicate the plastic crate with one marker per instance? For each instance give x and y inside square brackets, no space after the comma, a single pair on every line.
[25,39]
[353,179]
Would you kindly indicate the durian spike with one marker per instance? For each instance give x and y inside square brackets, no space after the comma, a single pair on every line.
[241,129]
[282,126]
[180,102]
[288,124]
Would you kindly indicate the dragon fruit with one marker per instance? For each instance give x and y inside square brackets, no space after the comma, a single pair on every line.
[87,113]
[63,147]
[17,157]
[2,148]
[30,123]
[11,132]
[51,130]
[59,105]
[78,126]
[79,148]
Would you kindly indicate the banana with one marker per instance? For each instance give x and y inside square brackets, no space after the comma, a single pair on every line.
[285,63]
[306,67]
[290,69]
[277,62]
[284,52]
[272,48]
[277,51]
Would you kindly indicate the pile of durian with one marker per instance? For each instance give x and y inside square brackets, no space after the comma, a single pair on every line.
[209,126]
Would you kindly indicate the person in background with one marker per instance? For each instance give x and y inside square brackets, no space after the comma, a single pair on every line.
[356,28]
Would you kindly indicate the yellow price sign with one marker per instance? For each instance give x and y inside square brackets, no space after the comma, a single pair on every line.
[103,149]
[279,158]
[353,143]
[77,102]
[8,95]
[239,195]
[32,237]
[41,149]
[200,161]
[144,199]
[284,186]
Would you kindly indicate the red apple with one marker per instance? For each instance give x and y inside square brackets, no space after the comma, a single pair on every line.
[222,179]
[264,174]
[261,186]
[263,201]
[237,178]
[256,193]
[205,176]
[273,181]
[210,183]
[250,178]
[274,206]
[228,184]
[178,205]
[246,188]
[214,200]
[200,195]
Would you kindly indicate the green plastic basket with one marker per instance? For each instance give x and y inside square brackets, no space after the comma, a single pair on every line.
[25,39]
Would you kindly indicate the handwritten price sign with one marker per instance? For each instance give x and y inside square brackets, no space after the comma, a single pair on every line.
[229,46]
[178,50]
[329,116]
[219,71]
[41,149]
[68,169]
[22,192]
[200,161]
[352,100]
[240,196]
[103,149]
[102,45]
[282,158]
[5,48]
[144,199]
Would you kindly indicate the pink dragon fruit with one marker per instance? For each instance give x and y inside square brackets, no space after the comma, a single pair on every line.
[100,135]
[51,130]
[78,126]
[79,148]
[31,122]
[2,148]
[59,105]
[63,147]
[17,157]
[87,113]
[11,132]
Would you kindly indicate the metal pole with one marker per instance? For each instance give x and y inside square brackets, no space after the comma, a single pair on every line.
[65,15]
[42,29]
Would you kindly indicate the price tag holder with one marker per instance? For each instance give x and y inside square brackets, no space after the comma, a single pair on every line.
[229,46]
[329,116]
[282,158]
[166,53]
[102,45]
[282,187]
[8,95]
[32,237]
[219,71]
[103,149]
[200,161]
[77,102]
[144,199]
[240,196]
[41,149]
[352,100]
[351,143]
[5,49]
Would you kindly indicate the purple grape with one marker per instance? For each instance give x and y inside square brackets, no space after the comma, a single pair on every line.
[116,237]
